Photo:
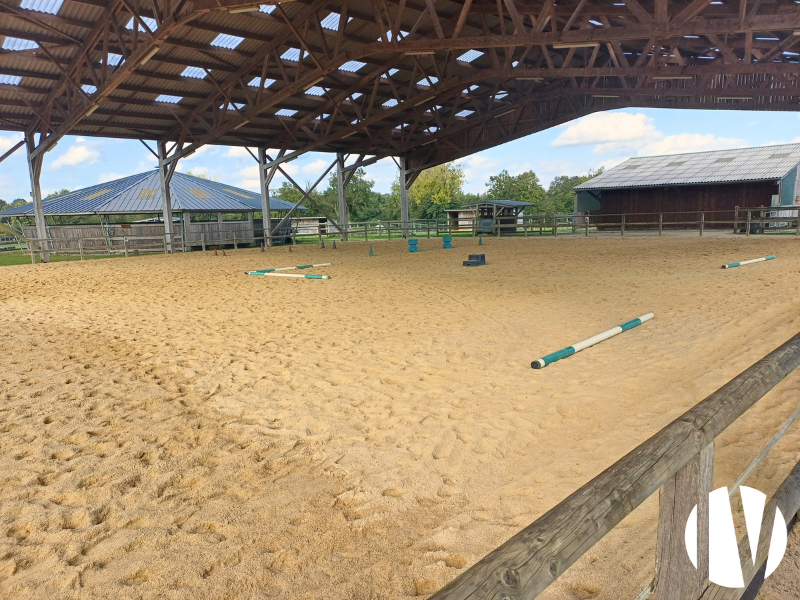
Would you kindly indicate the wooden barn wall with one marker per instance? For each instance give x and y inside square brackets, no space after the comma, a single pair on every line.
[692,199]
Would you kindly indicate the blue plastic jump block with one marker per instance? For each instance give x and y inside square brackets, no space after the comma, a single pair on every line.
[448,239]
[412,245]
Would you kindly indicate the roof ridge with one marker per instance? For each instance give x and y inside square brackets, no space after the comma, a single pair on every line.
[710,151]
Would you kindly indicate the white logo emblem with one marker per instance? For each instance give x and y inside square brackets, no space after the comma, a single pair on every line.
[724,567]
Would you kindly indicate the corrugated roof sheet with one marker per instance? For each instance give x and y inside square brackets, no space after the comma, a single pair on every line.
[142,194]
[719,166]
[509,203]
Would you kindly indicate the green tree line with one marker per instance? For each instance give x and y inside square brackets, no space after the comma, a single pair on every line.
[434,191]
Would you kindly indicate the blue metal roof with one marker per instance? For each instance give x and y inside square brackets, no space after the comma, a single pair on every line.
[142,194]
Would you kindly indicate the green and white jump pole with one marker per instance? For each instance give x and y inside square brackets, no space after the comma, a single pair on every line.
[541,363]
[299,275]
[267,271]
[748,262]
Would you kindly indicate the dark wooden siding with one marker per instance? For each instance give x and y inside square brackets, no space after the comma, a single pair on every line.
[692,199]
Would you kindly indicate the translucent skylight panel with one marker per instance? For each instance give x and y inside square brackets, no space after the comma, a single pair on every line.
[114,59]
[389,103]
[233,105]
[293,54]
[332,21]
[464,113]
[256,82]
[151,24]
[352,66]
[391,72]
[399,37]
[315,91]
[11,43]
[223,40]
[195,72]
[10,79]
[168,98]
[426,81]
[470,89]
[433,129]
[356,95]
[266,8]
[286,112]
[46,6]
[500,95]
[470,55]
[89,89]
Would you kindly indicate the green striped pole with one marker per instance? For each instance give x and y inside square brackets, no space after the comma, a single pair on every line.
[298,275]
[265,271]
[748,262]
[541,363]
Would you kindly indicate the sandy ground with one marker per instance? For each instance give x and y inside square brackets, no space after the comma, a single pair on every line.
[173,428]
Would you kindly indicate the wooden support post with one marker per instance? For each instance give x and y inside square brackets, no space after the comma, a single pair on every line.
[319,233]
[555,226]
[404,213]
[203,240]
[622,226]
[165,171]
[389,229]
[235,247]
[749,219]
[266,211]
[660,223]
[676,578]
[428,225]
[35,172]
[524,227]
[702,222]
[33,256]
[125,245]
[80,247]
[797,214]
[366,232]
[736,218]
[586,226]
[294,234]
[343,220]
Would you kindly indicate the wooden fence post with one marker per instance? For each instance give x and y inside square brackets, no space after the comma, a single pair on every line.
[80,247]
[389,229]
[622,226]
[235,247]
[586,226]
[749,217]
[555,225]
[702,222]
[203,240]
[125,245]
[660,223]
[676,578]
[166,244]
[735,218]
[797,214]
[33,256]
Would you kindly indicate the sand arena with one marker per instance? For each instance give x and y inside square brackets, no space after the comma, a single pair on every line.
[172,428]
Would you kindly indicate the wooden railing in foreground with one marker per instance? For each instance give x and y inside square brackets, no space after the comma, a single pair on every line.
[678,460]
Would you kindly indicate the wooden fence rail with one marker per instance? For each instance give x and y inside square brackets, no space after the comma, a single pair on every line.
[678,461]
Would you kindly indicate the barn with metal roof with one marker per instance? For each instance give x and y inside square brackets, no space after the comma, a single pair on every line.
[714,183]
[209,208]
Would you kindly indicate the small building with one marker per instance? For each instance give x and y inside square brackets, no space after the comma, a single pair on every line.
[507,212]
[210,211]
[714,183]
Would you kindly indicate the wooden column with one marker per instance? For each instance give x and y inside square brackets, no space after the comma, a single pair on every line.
[343,220]
[251,228]
[404,218]
[265,208]
[35,171]
[676,577]
[165,175]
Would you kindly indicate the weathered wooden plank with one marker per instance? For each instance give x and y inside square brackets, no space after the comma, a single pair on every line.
[676,577]
[532,559]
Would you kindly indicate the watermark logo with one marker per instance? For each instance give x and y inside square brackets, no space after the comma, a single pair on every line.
[724,566]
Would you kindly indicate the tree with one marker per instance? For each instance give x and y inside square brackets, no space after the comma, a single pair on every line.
[18,202]
[363,204]
[524,187]
[58,193]
[435,190]
[561,194]
[201,176]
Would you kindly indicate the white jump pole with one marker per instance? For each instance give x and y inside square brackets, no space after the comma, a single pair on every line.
[265,271]
[600,337]
[295,275]
[748,262]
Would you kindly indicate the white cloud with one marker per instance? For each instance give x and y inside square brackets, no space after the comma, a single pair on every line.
[606,127]
[80,140]
[76,155]
[249,184]
[314,168]
[109,177]
[9,141]
[688,142]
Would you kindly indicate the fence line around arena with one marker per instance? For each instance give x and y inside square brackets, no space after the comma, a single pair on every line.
[744,220]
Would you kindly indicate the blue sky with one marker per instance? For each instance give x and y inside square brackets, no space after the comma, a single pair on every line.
[602,139]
